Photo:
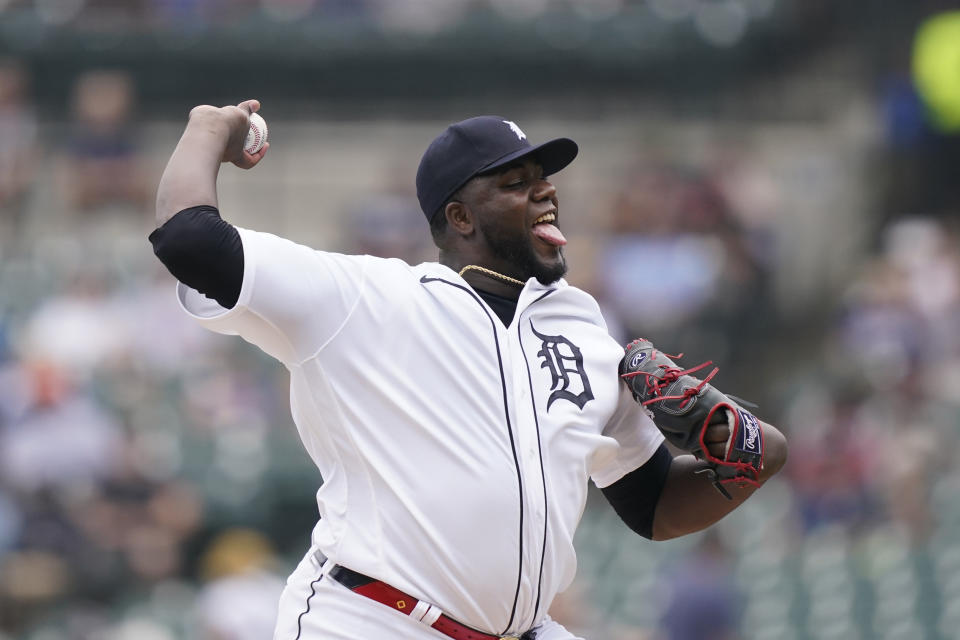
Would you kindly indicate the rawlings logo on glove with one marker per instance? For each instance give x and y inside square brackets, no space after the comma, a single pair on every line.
[691,413]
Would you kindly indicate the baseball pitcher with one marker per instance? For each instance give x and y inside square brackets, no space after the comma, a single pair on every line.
[457,409]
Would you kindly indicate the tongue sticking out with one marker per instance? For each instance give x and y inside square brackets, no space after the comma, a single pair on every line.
[549,234]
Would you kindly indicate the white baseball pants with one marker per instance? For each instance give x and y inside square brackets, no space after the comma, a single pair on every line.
[313,606]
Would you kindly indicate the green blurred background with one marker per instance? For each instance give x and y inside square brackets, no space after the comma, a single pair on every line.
[771,184]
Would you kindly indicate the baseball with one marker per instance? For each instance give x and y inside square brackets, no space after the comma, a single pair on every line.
[257,135]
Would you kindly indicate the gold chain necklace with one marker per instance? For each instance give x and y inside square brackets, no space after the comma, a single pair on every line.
[490,272]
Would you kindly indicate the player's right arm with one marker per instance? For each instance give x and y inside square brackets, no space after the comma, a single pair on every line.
[236,281]
[196,245]
[213,135]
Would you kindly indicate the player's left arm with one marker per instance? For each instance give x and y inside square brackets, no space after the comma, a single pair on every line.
[690,502]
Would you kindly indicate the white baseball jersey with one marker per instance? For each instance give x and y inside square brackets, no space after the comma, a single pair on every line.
[455,451]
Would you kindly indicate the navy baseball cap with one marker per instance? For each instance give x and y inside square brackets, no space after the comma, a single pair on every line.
[478,145]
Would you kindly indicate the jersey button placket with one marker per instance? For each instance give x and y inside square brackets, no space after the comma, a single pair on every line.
[526,420]
[519,403]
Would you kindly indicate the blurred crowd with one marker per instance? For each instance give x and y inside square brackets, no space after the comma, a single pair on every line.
[151,480]
[150,476]
[720,23]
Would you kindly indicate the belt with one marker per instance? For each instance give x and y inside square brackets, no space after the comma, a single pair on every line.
[424,612]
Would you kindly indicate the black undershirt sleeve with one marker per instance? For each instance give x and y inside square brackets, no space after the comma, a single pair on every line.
[203,251]
[634,496]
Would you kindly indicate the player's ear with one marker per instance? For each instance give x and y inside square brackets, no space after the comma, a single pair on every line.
[459,217]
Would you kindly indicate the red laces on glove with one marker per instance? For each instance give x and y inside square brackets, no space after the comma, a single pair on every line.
[670,375]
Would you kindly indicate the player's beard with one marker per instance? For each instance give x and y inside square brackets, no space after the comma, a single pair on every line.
[518,252]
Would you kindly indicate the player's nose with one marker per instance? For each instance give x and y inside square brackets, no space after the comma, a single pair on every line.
[544,190]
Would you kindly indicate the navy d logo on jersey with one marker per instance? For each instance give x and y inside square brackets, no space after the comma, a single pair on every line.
[564,361]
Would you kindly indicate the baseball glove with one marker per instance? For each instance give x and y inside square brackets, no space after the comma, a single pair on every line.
[686,409]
